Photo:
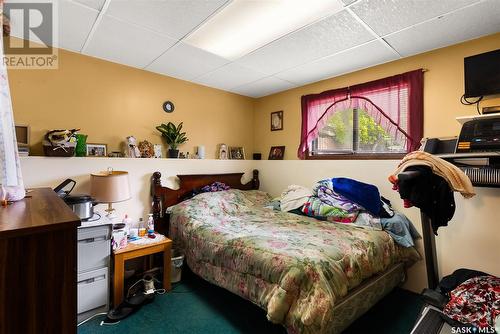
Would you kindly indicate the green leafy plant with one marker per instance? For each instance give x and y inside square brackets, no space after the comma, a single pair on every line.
[172,134]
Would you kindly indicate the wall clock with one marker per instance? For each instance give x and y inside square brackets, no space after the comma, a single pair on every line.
[168,107]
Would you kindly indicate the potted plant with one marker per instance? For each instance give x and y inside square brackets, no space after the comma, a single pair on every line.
[173,137]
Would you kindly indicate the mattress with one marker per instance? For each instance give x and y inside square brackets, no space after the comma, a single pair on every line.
[295,267]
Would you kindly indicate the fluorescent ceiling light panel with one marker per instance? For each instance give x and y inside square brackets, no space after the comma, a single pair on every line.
[245,25]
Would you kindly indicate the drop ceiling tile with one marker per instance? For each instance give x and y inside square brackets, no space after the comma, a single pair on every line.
[75,23]
[364,56]
[472,22]
[95,4]
[387,16]
[173,18]
[186,62]
[126,44]
[333,34]
[229,76]
[263,87]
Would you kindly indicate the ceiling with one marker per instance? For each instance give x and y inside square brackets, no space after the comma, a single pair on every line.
[150,35]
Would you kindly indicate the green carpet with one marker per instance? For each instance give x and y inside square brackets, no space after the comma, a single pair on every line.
[195,306]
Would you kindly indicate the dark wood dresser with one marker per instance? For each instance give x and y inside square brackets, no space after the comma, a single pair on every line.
[38,265]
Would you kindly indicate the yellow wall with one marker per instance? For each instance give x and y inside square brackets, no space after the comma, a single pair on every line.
[109,101]
[443,86]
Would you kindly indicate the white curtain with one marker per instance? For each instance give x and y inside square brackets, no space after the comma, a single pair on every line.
[11,179]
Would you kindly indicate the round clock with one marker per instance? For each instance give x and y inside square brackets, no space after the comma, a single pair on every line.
[168,107]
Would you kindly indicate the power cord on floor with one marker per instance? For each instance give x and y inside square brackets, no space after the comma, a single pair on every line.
[149,286]
[91,317]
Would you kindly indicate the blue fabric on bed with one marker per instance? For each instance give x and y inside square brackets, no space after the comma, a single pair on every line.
[364,194]
[401,229]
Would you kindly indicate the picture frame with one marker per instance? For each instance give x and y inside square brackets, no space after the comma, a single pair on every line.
[97,150]
[277,120]
[277,153]
[237,153]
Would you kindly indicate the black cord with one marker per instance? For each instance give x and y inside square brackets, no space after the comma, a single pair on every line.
[92,219]
[464,101]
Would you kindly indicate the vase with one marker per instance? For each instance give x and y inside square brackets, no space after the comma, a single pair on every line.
[81,145]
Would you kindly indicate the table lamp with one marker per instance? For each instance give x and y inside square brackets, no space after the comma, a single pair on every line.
[110,187]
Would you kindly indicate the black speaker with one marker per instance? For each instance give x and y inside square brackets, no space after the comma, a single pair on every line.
[257,156]
[439,145]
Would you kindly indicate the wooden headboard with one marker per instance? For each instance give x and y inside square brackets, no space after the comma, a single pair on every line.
[163,197]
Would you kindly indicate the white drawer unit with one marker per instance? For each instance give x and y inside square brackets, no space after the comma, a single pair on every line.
[94,244]
[93,289]
[93,282]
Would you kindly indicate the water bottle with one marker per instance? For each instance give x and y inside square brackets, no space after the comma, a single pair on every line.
[151,225]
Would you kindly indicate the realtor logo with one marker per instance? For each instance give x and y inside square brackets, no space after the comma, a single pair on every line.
[33,33]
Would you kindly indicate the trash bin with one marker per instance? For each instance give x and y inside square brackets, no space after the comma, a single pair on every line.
[176,269]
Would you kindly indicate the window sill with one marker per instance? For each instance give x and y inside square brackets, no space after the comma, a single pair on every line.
[357,156]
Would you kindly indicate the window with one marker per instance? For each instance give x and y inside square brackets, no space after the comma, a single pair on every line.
[382,118]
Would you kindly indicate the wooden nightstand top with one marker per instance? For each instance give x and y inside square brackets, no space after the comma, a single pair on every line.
[141,248]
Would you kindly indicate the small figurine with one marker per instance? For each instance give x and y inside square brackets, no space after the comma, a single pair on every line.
[146,149]
[157,150]
[133,151]
[223,152]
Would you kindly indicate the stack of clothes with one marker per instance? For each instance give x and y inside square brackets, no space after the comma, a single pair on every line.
[344,200]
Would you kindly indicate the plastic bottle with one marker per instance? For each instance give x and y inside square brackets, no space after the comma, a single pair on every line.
[151,225]
[128,224]
[141,227]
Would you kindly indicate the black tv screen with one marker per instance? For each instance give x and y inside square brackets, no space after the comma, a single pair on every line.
[482,74]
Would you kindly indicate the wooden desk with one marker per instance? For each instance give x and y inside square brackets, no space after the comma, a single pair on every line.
[133,251]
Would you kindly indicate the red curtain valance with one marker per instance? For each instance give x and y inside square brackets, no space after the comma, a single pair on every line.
[380,98]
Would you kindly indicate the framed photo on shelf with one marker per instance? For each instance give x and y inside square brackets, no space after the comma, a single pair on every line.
[277,153]
[97,150]
[277,120]
[237,153]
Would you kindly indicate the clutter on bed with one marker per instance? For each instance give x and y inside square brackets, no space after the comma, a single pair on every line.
[344,200]
[294,197]
[401,229]
[214,187]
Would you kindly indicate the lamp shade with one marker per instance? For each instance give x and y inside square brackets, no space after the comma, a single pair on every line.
[110,186]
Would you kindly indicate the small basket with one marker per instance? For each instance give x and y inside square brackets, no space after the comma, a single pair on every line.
[59,150]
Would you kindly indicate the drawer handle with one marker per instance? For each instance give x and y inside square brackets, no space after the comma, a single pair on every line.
[92,280]
[89,240]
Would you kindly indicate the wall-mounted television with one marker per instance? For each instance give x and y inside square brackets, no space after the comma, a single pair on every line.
[482,74]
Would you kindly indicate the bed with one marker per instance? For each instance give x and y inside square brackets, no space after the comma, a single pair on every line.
[310,276]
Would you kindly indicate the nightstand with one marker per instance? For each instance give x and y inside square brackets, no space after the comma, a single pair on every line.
[133,251]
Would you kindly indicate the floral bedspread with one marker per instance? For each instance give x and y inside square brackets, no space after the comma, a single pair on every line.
[294,267]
